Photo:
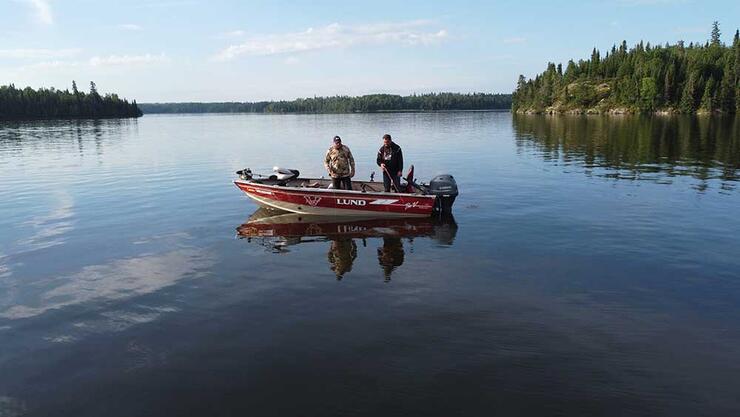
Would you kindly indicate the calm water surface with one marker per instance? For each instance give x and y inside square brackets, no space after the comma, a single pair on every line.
[592,268]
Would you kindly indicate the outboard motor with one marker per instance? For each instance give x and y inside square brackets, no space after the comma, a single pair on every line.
[283,174]
[445,188]
[245,174]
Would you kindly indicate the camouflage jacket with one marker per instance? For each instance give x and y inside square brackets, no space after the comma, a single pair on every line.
[339,162]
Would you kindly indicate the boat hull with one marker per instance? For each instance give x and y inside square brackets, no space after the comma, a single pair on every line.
[328,202]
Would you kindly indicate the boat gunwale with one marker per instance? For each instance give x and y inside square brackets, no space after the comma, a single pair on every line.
[331,190]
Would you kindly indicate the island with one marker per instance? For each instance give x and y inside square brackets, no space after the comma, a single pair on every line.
[28,103]
[679,78]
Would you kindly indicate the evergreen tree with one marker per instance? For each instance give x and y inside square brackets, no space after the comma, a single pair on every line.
[736,83]
[715,39]
[669,82]
[648,94]
[646,78]
[688,100]
[727,90]
[344,104]
[708,101]
[51,103]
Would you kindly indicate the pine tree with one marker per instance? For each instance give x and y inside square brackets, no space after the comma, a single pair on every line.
[708,101]
[736,83]
[52,103]
[594,63]
[668,85]
[715,39]
[726,89]
[648,94]
[648,76]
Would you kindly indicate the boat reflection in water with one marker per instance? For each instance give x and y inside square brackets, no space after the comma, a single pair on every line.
[279,230]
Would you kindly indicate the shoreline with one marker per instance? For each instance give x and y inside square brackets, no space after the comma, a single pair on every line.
[619,111]
[359,112]
[38,119]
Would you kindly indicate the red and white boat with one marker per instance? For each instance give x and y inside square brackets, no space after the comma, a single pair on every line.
[286,191]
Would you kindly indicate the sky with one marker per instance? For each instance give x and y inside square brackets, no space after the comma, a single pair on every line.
[192,50]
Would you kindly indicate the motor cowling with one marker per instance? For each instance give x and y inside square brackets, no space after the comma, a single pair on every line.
[285,173]
[444,187]
[245,174]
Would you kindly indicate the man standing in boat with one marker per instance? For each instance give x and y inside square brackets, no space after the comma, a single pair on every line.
[390,161]
[341,165]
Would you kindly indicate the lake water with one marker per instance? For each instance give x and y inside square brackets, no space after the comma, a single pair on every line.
[592,268]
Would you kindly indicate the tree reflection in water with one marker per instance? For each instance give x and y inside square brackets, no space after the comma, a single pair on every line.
[278,231]
[657,148]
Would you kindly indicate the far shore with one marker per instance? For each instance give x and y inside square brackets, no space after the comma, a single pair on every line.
[358,112]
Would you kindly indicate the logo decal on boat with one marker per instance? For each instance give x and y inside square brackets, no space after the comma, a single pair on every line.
[350,202]
[411,205]
[312,200]
[383,202]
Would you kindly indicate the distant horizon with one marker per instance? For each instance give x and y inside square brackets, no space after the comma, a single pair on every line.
[317,96]
[157,51]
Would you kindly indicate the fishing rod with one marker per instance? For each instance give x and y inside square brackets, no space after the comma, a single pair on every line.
[393,184]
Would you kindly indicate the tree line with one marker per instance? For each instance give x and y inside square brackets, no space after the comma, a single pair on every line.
[345,104]
[676,78]
[49,103]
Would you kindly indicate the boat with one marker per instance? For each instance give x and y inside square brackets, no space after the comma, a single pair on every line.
[285,190]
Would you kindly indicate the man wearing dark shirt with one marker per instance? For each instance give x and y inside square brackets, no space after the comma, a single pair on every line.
[390,160]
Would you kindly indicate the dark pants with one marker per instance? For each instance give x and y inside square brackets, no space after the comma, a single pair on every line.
[342,183]
[387,183]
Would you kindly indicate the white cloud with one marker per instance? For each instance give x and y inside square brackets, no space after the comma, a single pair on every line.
[42,9]
[94,62]
[46,65]
[648,2]
[334,36]
[291,60]
[128,60]
[233,34]
[130,26]
[38,53]
[515,40]
[168,4]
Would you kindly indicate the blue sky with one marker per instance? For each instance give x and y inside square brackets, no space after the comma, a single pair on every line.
[191,50]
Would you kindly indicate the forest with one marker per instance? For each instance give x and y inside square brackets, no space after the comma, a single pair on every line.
[679,78]
[345,104]
[27,103]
